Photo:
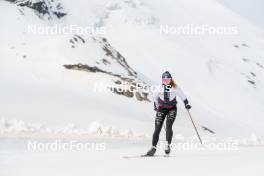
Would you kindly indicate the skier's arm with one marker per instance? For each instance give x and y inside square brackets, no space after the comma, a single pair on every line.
[182,96]
[156,101]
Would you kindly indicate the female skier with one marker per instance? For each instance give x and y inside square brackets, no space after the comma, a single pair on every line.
[165,104]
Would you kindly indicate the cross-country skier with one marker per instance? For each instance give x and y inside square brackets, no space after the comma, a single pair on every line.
[165,104]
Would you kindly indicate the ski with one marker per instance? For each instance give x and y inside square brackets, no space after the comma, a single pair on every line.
[137,156]
[146,156]
[166,155]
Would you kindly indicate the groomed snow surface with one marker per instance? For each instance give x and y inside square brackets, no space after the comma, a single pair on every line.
[107,158]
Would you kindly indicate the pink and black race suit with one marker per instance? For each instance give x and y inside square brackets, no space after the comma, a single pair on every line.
[165,98]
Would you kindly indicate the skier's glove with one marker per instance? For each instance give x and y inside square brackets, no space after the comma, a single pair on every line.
[186,103]
[187,106]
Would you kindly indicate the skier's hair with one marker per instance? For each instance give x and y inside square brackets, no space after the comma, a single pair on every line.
[173,84]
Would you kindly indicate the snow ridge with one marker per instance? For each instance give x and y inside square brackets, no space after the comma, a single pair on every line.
[94,129]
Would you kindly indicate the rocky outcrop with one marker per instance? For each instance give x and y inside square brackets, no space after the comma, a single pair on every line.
[42,8]
[113,64]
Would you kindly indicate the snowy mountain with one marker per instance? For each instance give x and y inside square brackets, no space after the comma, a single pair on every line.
[221,74]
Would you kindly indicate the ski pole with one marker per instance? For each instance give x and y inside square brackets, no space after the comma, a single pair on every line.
[194,126]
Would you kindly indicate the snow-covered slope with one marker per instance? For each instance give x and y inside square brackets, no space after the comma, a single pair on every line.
[222,75]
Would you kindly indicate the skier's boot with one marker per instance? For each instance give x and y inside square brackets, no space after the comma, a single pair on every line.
[151,152]
[167,149]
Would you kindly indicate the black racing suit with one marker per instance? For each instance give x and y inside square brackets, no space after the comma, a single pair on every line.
[170,115]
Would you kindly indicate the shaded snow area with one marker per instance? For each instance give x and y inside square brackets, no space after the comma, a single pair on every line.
[76,79]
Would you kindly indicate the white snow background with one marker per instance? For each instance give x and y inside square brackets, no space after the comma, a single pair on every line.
[41,100]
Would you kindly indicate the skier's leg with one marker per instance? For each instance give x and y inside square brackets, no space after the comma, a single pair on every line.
[169,122]
[160,116]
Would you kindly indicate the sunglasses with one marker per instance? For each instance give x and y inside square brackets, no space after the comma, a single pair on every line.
[166,80]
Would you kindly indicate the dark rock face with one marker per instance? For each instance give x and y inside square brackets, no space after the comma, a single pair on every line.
[49,8]
[142,96]
[119,58]
[251,82]
[125,83]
